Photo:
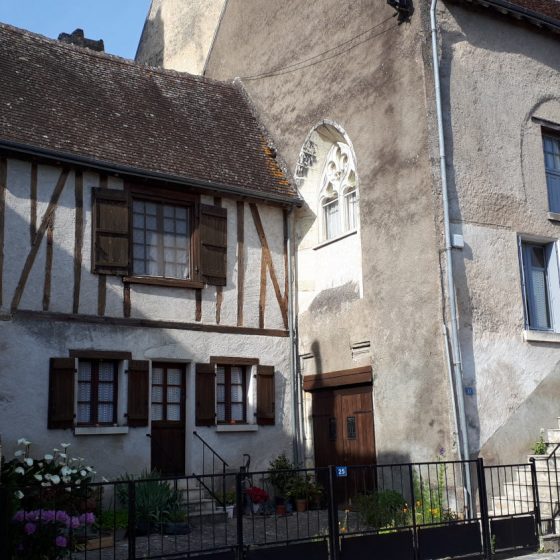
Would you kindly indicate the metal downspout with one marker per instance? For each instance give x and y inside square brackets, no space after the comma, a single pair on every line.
[455,347]
[296,436]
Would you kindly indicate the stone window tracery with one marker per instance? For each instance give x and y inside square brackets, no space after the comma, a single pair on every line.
[338,188]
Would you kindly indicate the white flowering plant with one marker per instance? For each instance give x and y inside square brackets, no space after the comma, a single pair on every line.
[52,471]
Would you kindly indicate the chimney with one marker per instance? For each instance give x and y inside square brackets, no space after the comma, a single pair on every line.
[77,38]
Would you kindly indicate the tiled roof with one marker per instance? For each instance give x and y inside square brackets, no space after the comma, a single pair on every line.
[540,12]
[62,99]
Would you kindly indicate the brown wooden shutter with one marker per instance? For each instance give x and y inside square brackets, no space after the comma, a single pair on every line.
[61,393]
[110,251]
[213,244]
[205,394]
[265,395]
[138,392]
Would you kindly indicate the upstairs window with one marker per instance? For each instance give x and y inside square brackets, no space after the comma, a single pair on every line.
[339,188]
[551,146]
[172,238]
[161,236]
[541,285]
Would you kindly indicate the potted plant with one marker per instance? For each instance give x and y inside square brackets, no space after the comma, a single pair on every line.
[228,500]
[300,492]
[176,522]
[258,496]
[281,474]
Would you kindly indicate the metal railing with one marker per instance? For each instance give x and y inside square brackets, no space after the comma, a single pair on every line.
[547,483]
[222,465]
[407,510]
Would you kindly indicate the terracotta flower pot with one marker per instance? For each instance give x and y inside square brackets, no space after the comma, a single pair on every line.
[301,505]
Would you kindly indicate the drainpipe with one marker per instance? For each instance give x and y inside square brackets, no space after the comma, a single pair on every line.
[294,369]
[455,347]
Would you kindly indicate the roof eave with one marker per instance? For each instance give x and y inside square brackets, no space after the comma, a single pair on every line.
[109,167]
[520,13]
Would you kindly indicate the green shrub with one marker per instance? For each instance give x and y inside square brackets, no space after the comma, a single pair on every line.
[382,509]
[155,499]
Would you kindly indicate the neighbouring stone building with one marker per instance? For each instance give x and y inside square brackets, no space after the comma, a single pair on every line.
[347,92]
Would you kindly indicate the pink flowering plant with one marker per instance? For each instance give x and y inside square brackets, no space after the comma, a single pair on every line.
[50,500]
[42,533]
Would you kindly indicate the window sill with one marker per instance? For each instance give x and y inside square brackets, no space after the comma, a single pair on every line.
[540,336]
[335,239]
[159,281]
[100,430]
[554,216]
[237,427]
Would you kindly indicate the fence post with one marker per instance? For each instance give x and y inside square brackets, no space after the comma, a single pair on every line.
[536,500]
[483,499]
[333,516]
[413,511]
[5,511]
[131,528]
[239,512]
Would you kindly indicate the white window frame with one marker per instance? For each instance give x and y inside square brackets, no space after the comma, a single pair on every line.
[552,278]
[552,172]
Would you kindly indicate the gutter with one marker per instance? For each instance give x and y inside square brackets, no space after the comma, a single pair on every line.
[456,364]
[143,174]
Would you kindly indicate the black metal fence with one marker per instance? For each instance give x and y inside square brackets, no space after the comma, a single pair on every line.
[403,511]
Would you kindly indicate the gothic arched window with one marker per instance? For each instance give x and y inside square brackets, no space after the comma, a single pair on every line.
[339,194]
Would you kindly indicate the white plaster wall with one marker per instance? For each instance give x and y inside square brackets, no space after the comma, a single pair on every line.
[148,302]
[323,266]
[25,349]
[496,76]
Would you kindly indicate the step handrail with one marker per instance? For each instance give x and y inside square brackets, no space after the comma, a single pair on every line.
[215,455]
[206,444]
[553,452]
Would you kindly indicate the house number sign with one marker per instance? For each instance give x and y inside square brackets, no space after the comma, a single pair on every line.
[341,471]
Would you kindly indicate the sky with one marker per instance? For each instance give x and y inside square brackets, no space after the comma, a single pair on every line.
[118,22]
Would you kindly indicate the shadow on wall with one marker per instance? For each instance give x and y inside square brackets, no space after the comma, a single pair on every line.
[151,47]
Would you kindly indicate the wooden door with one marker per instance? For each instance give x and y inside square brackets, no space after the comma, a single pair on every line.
[168,418]
[343,426]
[343,436]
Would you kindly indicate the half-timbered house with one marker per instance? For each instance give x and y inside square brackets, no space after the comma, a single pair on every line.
[144,263]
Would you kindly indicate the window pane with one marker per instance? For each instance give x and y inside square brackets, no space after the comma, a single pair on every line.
[351,210]
[221,412]
[174,377]
[150,208]
[105,392]
[157,412]
[157,376]
[157,394]
[106,371]
[236,374]
[105,413]
[173,394]
[236,393]
[84,413]
[540,299]
[332,221]
[220,378]
[84,391]
[553,186]
[220,393]
[173,412]
[84,371]
[237,412]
